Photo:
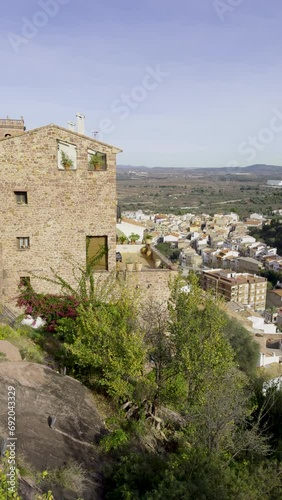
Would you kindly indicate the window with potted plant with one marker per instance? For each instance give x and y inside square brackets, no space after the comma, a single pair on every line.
[97,161]
[66,161]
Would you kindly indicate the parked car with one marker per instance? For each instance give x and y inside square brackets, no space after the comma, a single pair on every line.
[118,257]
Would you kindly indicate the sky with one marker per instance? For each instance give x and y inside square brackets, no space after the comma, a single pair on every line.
[188,83]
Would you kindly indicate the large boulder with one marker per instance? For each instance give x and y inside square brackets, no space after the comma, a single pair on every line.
[9,352]
[41,394]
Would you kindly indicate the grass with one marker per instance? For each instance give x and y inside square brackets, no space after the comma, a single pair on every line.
[71,476]
[21,339]
[25,469]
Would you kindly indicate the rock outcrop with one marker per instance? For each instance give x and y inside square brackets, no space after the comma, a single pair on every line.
[9,351]
[41,394]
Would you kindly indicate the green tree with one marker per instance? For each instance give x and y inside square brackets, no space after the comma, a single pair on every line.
[109,346]
[159,348]
[246,350]
[168,251]
[201,351]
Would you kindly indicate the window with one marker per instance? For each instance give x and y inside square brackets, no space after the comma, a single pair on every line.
[24,280]
[66,156]
[96,160]
[21,197]
[23,243]
[97,252]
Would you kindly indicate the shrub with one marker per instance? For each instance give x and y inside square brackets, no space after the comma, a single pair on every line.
[49,307]
[113,441]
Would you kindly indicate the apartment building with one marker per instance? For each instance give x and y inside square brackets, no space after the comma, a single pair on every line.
[58,198]
[243,288]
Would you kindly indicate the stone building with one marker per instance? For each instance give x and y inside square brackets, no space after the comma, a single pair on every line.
[58,196]
[242,288]
[9,128]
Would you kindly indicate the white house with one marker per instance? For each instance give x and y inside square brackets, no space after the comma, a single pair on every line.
[274,183]
[277,265]
[171,238]
[256,249]
[268,359]
[246,239]
[140,216]
[258,323]
[194,235]
[256,216]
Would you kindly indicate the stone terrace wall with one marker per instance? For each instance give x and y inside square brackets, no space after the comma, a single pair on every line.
[152,284]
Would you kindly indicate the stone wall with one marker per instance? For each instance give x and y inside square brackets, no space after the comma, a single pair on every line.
[152,284]
[11,127]
[63,207]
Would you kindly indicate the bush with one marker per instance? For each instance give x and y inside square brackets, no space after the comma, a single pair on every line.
[245,348]
[168,251]
[49,307]
[114,440]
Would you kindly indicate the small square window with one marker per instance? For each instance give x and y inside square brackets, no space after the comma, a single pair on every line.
[23,243]
[21,197]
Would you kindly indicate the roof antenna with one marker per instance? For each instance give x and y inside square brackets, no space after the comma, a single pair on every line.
[71,126]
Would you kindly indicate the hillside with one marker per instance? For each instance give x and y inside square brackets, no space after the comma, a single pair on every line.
[255,169]
[197,190]
[182,401]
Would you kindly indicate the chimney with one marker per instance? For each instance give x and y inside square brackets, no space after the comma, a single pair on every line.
[71,126]
[80,123]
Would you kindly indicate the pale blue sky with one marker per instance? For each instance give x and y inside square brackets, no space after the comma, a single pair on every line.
[219,100]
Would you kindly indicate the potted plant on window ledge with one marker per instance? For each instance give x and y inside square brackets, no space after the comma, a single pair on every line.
[97,162]
[66,161]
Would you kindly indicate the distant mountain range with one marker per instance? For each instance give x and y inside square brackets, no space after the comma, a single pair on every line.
[265,170]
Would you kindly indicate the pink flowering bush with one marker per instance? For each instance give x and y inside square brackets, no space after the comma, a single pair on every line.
[50,307]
